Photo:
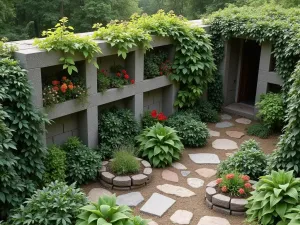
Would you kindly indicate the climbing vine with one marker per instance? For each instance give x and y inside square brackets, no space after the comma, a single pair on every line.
[193,65]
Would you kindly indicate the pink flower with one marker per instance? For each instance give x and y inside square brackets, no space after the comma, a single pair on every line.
[224,189]
[219,180]
[230,176]
[248,185]
[245,178]
[241,191]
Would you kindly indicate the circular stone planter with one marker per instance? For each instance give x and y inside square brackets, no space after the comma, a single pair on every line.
[223,203]
[112,181]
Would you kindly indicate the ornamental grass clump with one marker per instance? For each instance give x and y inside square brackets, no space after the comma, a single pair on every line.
[159,145]
[275,195]
[124,163]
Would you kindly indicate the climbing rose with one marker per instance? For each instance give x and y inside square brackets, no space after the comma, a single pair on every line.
[154,113]
[230,176]
[248,185]
[245,178]
[219,180]
[126,76]
[224,189]
[241,191]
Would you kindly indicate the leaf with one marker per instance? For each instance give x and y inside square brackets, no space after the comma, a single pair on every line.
[281,209]
[118,216]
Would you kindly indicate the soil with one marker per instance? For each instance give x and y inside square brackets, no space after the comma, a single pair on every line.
[195,204]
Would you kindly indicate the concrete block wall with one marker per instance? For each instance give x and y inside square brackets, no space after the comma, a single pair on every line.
[153,100]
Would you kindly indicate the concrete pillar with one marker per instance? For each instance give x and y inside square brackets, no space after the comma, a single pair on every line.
[135,65]
[137,106]
[168,99]
[90,78]
[35,79]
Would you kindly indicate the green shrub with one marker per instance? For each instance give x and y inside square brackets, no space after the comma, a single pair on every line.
[259,130]
[293,216]
[206,112]
[249,160]
[83,163]
[117,127]
[125,163]
[107,212]
[55,204]
[160,145]
[271,110]
[55,164]
[193,133]
[153,60]
[274,196]
[149,119]
[215,92]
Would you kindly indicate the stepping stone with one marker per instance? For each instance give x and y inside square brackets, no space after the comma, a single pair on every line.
[205,158]
[185,173]
[195,182]
[179,166]
[181,217]
[175,190]
[213,133]
[169,176]
[96,193]
[152,223]
[211,220]
[157,204]
[224,144]
[205,172]
[130,199]
[224,124]
[226,117]
[235,134]
[243,121]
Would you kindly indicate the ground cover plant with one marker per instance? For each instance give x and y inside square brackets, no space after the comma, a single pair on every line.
[259,130]
[83,163]
[149,119]
[57,203]
[124,163]
[205,111]
[159,145]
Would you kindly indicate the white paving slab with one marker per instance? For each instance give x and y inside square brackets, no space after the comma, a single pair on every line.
[96,193]
[195,182]
[205,158]
[181,217]
[175,190]
[224,124]
[169,176]
[235,134]
[213,133]
[206,172]
[157,204]
[243,121]
[211,220]
[152,223]
[185,173]
[130,199]
[226,117]
[224,144]
[179,166]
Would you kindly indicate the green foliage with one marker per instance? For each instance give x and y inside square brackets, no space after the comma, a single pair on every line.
[160,145]
[55,204]
[152,63]
[293,216]
[249,160]
[62,38]
[22,153]
[83,163]
[274,196]
[107,212]
[55,165]
[117,127]
[6,50]
[287,156]
[205,111]
[193,133]
[259,130]
[125,163]
[215,92]
[149,119]
[271,110]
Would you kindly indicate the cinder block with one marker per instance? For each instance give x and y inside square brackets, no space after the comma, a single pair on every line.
[70,122]
[62,138]
[54,129]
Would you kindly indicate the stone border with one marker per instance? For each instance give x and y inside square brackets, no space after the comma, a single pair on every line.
[222,203]
[125,183]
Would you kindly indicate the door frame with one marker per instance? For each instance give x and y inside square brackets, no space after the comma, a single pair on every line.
[240,63]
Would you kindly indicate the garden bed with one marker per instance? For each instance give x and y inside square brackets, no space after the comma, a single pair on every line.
[128,182]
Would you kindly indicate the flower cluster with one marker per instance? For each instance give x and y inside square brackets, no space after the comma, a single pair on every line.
[165,68]
[117,80]
[235,184]
[61,91]
[159,116]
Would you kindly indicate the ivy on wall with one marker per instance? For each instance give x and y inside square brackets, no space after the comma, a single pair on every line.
[193,65]
[281,27]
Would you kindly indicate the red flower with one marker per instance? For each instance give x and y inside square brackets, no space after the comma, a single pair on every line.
[245,178]
[70,86]
[224,189]
[103,71]
[161,117]
[55,88]
[132,82]
[241,191]
[63,88]
[124,72]
[118,74]
[55,82]
[248,185]
[64,78]
[126,76]
[154,113]
[219,180]
[230,176]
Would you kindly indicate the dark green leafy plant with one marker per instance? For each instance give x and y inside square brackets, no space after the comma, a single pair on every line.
[205,112]
[55,164]
[107,212]
[152,63]
[249,160]
[62,38]
[215,92]
[83,163]
[259,130]
[125,163]
[160,145]
[293,216]
[274,196]
[21,160]
[117,127]
[55,204]
[271,110]
[193,133]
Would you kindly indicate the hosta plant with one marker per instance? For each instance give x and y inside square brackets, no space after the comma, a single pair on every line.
[274,196]
[160,145]
[107,212]
[293,216]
